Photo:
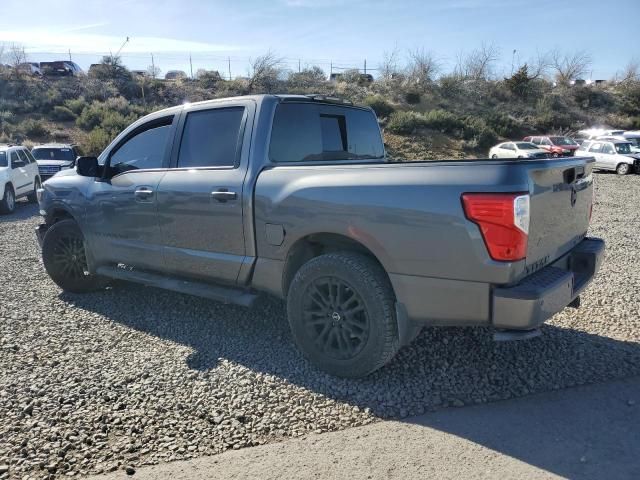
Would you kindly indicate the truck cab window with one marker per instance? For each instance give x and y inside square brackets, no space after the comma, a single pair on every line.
[145,150]
[211,138]
[305,132]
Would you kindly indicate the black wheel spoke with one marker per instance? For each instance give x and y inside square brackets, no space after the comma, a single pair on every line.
[335,318]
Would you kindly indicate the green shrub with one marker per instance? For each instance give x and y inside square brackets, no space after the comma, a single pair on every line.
[34,128]
[487,138]
[503,124]
[62,114]
[412,98]
[76,105]
[443,121]
[405,122]
[96,141]
[379,105]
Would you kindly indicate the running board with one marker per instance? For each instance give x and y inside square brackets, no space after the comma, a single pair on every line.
[236,296]
[511,335]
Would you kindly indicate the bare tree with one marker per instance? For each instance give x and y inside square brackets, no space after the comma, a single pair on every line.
[264,71]
[477,64]
[16,55]
[389,66]
[539,65]
[153,71]
[2,52]
[630,73]
[422,67]
[569,66]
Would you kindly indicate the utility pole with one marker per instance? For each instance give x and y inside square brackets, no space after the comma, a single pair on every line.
[229,64]
[153,67]
[191,66]
[70,56]
[365,66]
[330,68]
[298,65]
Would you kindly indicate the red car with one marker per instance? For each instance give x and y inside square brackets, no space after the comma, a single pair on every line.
[558,146]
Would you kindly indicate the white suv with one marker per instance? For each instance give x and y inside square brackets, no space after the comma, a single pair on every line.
[19,176]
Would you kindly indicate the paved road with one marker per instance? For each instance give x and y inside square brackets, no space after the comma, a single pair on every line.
[590,432]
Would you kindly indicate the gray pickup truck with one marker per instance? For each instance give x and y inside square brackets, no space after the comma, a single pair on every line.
[293,195]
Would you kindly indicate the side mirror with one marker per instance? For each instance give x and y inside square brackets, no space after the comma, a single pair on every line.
[87,166]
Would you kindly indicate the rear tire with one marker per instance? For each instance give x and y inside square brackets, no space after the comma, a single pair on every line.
[494,156]
[65,260]
[341,310]
[8,202]
[623,169]
[33,197]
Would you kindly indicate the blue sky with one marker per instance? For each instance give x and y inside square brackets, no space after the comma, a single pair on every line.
[319,31]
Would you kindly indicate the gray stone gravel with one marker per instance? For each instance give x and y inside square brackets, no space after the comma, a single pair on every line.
[134,376]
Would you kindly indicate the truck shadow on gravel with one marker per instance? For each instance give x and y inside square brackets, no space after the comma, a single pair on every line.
[442,367]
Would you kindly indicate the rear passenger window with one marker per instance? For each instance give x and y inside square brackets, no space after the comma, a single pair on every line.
[23,156]
[596,148]
[211,138]
[304,132]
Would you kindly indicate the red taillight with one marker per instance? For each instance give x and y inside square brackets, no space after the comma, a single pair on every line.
[503,219]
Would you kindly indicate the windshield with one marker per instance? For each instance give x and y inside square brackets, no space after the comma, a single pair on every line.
[526,146]
[562,141]
[623,148]
[3,159]
[634,141]
[53,154]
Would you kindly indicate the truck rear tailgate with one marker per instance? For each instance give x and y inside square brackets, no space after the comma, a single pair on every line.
[561,199]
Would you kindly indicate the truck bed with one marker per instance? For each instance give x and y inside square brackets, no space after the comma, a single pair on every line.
[410,216]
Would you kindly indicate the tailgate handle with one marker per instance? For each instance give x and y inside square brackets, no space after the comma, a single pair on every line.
[570,175]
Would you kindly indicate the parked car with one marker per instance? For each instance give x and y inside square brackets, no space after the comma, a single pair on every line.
[613,155]
[18,176]
[517,150]
[633,137]
[175,75]
[54,157]
[61,68]
[557,146]
[30,68]
[292,195]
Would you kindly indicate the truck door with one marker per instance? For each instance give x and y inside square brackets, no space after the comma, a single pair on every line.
[200,208]
[121,214]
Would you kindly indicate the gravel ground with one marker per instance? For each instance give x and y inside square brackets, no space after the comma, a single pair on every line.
[134,376]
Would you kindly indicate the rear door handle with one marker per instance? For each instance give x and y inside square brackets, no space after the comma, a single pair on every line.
[144,194]
[223,195]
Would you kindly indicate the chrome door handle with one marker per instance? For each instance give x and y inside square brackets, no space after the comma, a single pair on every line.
[144,194]
[223,195]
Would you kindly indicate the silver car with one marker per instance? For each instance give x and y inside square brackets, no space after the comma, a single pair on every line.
[517,150]
[613,155]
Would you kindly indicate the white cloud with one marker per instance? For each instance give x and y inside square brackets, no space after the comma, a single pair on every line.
[63,40]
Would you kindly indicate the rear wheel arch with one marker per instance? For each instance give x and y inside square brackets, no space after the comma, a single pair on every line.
[314,245]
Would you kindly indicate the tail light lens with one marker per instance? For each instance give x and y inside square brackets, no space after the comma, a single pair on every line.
[503,219]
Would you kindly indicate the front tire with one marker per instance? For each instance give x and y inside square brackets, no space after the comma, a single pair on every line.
[341,310]
[65,259]
[8,202]
[33,196]
[494,156]
[622,169]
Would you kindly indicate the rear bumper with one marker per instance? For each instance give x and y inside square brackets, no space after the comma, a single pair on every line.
[527,305]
